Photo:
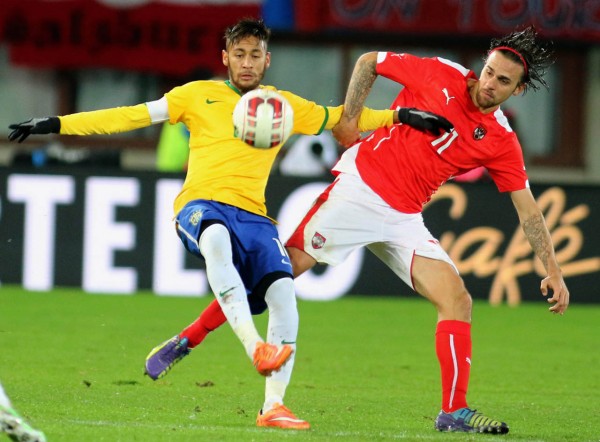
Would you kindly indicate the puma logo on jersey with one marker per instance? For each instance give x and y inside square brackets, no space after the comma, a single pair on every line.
[448,97]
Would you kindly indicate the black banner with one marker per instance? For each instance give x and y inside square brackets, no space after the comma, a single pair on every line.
[112,232]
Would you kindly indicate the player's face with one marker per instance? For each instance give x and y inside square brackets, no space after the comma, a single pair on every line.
[247,62]
[500,78]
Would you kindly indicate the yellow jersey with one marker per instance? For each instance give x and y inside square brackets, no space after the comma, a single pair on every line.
[221,167]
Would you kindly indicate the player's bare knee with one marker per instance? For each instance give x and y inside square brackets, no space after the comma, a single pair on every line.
[463,301]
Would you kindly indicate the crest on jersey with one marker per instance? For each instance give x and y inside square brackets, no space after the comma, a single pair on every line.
[318,241]
[479,133]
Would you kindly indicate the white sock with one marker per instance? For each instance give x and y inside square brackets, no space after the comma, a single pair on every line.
[4,401]
[226,284]
[283,328]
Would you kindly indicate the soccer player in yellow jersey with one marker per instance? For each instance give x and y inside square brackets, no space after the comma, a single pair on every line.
[220,213]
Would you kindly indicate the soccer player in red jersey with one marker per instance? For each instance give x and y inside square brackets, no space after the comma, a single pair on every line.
[393,172]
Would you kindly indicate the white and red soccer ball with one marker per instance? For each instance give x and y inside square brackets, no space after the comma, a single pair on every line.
[263,118]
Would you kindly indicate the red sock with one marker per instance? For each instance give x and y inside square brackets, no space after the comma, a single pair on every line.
[453,349]
[211,318]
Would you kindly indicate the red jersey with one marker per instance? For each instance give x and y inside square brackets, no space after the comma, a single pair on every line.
[405,166]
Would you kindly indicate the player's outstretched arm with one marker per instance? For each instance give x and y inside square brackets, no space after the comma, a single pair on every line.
[418,119]
[424,121]
[536,231]
[104,121]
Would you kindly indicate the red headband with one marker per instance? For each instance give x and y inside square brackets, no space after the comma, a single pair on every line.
[517,53]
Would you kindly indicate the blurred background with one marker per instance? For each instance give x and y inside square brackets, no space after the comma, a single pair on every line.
[64,56]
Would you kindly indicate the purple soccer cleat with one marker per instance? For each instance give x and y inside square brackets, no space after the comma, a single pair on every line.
[469,421]
[164,356]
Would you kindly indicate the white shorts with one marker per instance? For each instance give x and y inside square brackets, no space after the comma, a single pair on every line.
[349,215]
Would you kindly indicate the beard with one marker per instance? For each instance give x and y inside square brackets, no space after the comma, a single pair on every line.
[485,101]
[244,85]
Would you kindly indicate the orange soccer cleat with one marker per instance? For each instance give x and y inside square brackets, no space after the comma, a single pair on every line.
[281,417]
[269,357]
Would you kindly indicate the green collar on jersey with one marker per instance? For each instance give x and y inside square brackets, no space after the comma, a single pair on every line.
[235,89]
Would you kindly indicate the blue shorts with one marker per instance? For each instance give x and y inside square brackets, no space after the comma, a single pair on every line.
[257,250]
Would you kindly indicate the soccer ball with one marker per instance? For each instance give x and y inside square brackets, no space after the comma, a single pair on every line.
[263,118]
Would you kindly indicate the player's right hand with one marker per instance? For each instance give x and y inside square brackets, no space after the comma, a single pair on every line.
[346,132]
[21,131]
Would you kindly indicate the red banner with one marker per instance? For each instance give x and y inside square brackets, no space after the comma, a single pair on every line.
[172,40]
[576,20]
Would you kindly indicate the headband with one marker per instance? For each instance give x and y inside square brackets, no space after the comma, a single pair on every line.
[517,53]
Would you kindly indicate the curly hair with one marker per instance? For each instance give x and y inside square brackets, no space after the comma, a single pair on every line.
[536,57]
[247,27]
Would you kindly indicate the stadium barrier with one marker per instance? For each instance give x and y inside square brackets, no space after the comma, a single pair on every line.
[112,232]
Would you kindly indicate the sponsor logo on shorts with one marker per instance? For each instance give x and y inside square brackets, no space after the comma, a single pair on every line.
[318,241]
[196,217]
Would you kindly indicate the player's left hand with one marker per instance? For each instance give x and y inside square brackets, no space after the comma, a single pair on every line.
[560,293]
[424,121]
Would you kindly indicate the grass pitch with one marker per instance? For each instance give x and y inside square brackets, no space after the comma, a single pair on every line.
[366,371]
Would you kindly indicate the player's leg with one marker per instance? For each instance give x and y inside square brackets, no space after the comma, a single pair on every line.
[430,272]
[164,356]
[227,285]
[438,282]
[268,271]
[211,318]
[201,228]
[254,252]
[301,261]
[215,244]
[282,329]
[14,425]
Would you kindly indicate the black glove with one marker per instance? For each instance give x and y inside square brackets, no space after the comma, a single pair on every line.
[45,125]
[424,121]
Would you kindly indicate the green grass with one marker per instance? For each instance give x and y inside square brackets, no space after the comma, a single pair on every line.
[366,371]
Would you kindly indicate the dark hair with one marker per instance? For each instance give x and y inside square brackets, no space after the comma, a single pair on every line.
[246,27]
[536,56]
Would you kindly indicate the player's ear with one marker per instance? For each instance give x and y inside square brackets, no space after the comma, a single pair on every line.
[225,57]
[519,89]
[268,60]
